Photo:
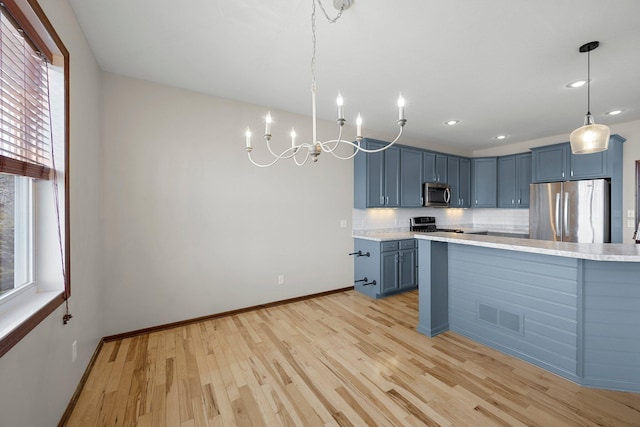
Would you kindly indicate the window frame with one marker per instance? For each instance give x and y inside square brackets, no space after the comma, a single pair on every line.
[39,30]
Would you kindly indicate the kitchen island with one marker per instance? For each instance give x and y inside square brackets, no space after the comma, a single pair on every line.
[573,309]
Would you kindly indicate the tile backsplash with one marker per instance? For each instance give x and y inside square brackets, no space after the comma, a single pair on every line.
[500,220]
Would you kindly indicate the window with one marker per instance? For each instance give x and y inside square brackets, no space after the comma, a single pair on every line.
[16,233]
[34,224]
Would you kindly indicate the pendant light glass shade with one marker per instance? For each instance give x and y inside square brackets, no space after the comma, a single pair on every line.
[590,138]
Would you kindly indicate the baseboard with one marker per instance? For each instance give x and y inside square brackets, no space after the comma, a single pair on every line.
[83,380]
[218,315]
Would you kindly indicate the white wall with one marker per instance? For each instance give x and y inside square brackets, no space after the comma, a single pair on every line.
[192,228]
[37,377]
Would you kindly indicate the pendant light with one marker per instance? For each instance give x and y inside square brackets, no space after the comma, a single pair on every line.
[590,138]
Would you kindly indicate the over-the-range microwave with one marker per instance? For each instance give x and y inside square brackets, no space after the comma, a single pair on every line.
[436,194]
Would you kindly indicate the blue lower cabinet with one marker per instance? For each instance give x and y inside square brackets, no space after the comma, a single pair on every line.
[385,268]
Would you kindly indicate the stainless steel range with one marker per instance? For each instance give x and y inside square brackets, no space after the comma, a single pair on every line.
[427,224]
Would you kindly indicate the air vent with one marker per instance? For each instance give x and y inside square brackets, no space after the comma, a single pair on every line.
[502,319]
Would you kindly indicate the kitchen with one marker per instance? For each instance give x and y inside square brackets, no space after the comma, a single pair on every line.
[495,285]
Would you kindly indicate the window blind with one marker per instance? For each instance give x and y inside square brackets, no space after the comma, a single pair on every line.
[24,105]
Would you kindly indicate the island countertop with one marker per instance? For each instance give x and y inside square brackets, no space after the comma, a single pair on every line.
[621,252]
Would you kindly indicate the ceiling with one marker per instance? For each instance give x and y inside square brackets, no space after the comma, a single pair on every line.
[498,66]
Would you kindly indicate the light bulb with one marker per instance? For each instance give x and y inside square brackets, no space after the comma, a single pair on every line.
[400,107]
[359,126]
[247,135]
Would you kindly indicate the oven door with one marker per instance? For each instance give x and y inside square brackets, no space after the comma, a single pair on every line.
[435,195]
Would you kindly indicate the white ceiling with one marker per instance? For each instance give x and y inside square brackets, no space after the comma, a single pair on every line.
[498,66]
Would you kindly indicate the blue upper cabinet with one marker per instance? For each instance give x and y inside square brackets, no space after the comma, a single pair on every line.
[410,177]
[485,174]
[557,163]
[524,178]
[507,182]
[435,167]
[459,179]
[464,191]
[550,163]
[453,179]
[514,177]
[377,176]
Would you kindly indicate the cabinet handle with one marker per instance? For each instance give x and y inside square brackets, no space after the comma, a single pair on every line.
[359,254]
[512,202]
[421,201]
[387,201]
[365,280]
[571,172]
[519,201]
[382,200]
[563,174]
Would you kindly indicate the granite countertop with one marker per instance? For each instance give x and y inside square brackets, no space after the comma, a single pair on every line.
[592,251]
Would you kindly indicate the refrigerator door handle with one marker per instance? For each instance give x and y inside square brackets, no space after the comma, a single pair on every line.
[558,231]
[566,213]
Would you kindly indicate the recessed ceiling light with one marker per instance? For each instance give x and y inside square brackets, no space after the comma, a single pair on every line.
[501,137]
[613,112]
[451,122]
[577,83]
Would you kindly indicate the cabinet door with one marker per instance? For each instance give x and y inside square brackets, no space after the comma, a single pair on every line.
[453,179]
[507,182]
[484,171]
[410,178]
[375,178]
[392,177]
[407,269]
[429,167]
[549,163]
[441,168]
[523,178]
[465,183]
[389,273]
[588,166]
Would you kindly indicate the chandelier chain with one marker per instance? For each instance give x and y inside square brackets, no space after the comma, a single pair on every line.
[313,35]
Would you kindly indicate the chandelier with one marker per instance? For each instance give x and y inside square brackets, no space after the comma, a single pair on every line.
[302,152]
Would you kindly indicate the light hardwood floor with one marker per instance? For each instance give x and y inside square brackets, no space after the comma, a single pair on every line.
[341,359]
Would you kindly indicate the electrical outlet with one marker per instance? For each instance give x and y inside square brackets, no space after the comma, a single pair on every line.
[343,223]
[281,279]
[74,351]
[631,213]
[630,224]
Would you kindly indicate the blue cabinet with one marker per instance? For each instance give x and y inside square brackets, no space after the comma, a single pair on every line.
[410,178]
[392,265]
[556,162]
[514,177]
[377,177]
[459,179]
[485,175]
[435,167]
[464,191]
[550,163]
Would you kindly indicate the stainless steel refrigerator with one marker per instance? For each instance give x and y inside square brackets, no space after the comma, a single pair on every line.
[572,211]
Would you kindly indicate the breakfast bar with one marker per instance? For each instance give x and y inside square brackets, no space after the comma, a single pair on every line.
[570,308]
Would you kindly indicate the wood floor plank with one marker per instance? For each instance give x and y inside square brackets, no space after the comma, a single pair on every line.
[336,360]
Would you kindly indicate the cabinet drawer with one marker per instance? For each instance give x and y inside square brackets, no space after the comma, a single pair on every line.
[389,246]
[407,244]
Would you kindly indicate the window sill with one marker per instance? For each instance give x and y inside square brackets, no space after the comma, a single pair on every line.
[23,314]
